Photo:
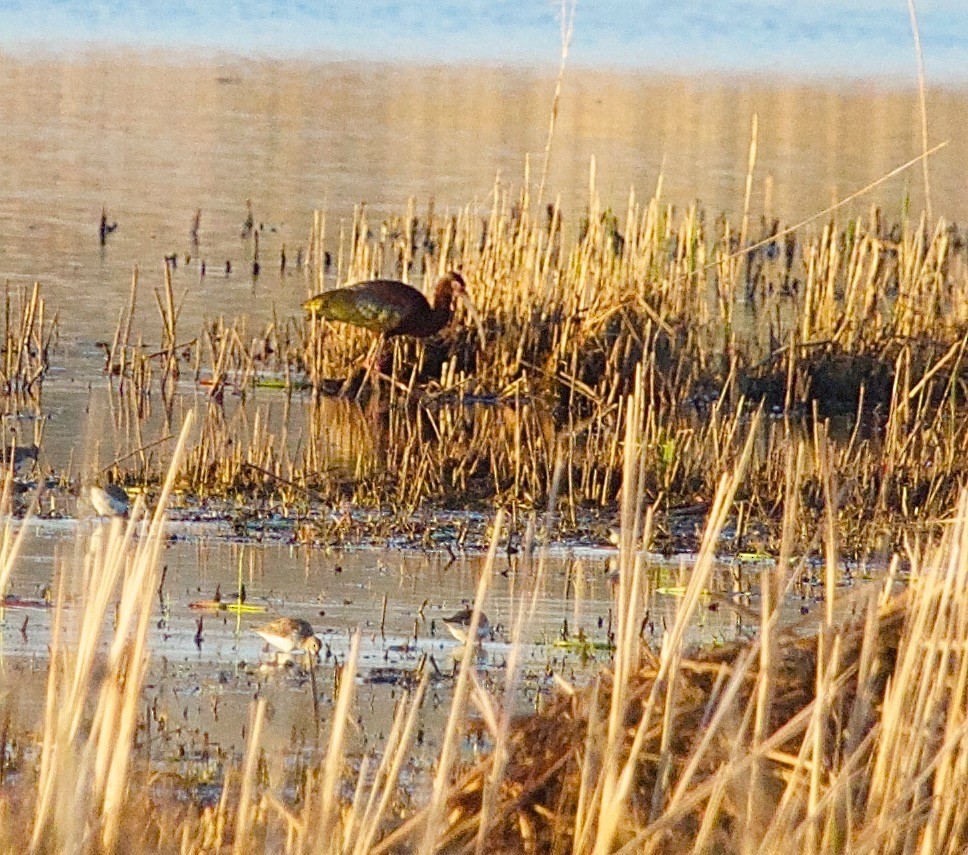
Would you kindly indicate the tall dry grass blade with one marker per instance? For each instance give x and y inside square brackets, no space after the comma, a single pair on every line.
[434,812]
[243,813]
[567,31]
[85,771]
[327,818]
[922,106]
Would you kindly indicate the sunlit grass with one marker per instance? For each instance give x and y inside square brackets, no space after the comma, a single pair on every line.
[633,364]
[849,331]
[849,738]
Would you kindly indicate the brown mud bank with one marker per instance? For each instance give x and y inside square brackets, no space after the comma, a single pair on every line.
[544,789]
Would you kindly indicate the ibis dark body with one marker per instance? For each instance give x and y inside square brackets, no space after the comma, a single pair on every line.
[389,307]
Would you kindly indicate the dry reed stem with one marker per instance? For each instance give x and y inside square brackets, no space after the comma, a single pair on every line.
[84,776]
[922,106]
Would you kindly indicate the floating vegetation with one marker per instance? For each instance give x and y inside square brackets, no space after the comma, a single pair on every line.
[672,590]
[12,601]
[582,645]
[233,606]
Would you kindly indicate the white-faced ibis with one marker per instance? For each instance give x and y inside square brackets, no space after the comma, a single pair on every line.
[288,634]
[393,308]
[389,307]
[459,625]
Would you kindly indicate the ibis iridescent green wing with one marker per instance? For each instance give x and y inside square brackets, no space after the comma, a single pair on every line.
[382,305]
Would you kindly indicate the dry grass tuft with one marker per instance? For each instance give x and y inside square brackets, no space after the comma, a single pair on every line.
[861,322]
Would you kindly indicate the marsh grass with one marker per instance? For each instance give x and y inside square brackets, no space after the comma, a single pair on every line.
[29,336]
[860,322]
[845,733]
[627,365]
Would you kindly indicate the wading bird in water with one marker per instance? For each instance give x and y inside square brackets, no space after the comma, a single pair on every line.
[291,635]
[392,308]
[459,625]
[111,500]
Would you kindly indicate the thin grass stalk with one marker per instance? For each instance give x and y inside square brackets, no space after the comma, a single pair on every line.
[435,808]
[243,813]
[326,819]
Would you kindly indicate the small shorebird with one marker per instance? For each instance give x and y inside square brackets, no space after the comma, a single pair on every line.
[23,458]
[459,625]
[290,635]
[111,500]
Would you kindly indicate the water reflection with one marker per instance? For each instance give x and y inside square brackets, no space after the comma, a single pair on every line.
[153,142]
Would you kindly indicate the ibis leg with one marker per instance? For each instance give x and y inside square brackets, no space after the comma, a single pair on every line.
[351,377]
[372,359]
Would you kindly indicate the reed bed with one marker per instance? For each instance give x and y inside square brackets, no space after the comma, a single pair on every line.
[29,336]
[843,734]
[850,333]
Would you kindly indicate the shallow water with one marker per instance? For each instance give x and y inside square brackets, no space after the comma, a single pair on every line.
[841,37]
[199,691]
[152,140]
